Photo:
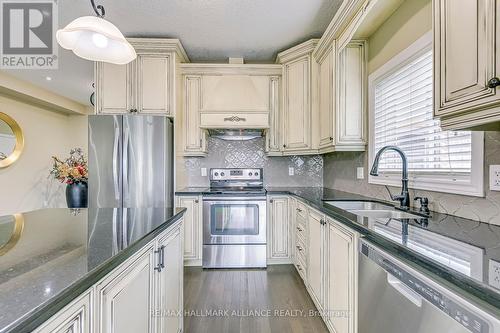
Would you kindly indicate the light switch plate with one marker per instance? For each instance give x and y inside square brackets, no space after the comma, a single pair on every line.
[203,172]
[494,274]
[360,173]
[494,177]
[291,171]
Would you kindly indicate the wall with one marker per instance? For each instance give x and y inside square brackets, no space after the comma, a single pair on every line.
[407,24]
[240,154]
[25,184]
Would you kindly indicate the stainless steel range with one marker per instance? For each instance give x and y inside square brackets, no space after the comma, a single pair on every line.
[234,219]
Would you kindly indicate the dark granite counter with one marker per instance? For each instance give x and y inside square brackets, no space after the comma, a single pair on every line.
[457,252]
[54,255]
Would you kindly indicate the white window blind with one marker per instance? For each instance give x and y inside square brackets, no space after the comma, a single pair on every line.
[403,117]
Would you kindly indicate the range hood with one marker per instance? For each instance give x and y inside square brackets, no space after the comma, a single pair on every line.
[236,134]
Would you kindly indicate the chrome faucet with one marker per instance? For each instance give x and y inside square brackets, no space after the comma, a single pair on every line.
[404,197]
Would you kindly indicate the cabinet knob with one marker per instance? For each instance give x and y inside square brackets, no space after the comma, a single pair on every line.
[284,146]
[299,210]
[331,138]
[299,228]
[196,201]
[299,248]
[271,201]
[493,83]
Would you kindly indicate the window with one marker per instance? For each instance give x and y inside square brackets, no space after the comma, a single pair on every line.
[401,114]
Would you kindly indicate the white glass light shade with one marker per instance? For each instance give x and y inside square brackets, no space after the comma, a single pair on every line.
[94,38]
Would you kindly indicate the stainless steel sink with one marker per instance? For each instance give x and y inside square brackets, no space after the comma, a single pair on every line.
[372,210]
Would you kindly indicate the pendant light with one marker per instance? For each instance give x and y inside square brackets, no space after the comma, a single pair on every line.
[94,38]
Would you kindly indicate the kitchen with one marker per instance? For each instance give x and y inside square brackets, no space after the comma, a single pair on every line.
[319,166]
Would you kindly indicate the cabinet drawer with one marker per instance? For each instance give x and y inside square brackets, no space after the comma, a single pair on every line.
[300,250]
[300,232]
[301,267]
[234,120]
[301,210]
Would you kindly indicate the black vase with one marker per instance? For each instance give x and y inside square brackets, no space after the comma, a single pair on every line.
[76,195]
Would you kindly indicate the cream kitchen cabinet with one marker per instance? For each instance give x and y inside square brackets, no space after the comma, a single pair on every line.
[125,299]
[299,215]
[341,277]
[193,228]
[194,138]
[331,266]
[316,254]
[351,107]
[74,318]
[466,63]
[169,294]
[299,117]
[146,85]
[278,230]
[342,94]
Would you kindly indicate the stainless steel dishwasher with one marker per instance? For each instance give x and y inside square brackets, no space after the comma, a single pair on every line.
[395,298]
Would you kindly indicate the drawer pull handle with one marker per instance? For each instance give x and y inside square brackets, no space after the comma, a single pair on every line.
[299,210]
[493,83]
[299,267]
[299,229]
[299,248]
[235,119]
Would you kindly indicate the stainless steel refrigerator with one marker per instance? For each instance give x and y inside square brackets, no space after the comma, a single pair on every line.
[131,163]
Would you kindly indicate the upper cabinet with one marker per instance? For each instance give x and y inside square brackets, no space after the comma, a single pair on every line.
[466,63]
[228,96]
[298,115]
[146,85]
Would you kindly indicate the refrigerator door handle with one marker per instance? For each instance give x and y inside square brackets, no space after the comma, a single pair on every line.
[125,164]
[115,163]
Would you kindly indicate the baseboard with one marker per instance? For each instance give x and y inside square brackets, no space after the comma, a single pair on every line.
[280,261]
[192,263]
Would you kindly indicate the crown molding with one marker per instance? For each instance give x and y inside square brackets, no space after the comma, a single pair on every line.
[297,51]
[159,45]
[230,69]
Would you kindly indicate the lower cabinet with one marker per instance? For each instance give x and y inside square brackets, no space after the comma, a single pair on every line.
[332,271]
[315,250]
[278,230]
[75,318]
[193,232]
[170,296]
[124,299]
[143,294]
[341,281]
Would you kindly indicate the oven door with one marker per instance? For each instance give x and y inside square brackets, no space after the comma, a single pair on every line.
[234,220]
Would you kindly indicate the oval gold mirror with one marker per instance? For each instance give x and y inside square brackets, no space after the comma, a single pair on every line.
[11,227]
[11,140]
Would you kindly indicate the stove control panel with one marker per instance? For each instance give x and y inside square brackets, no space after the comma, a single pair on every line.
[235,174]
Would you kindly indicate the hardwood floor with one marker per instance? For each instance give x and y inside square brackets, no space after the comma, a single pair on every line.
[231,301]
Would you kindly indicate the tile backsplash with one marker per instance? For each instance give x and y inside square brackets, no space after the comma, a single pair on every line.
[340,174]
[308,170]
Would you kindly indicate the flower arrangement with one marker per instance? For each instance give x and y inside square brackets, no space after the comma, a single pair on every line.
[72,170]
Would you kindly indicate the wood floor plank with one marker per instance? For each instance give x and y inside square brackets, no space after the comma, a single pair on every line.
[254,300]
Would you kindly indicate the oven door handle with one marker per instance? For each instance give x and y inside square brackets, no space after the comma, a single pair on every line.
[228,198]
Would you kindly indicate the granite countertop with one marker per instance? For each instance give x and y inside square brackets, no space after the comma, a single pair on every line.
[455,251]
[62,252]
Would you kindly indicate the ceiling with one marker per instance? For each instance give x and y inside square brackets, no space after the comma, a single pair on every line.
[210,31]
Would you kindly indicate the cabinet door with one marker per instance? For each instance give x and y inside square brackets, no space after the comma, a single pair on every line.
[125,298]
[315,254]
[326,99]
[351,110]
[273,142]
[154,80]
[278,231]
[170,280]
[192,226]
[74,318]
[114,84]
[465,55]
[341,282]
[297,108]
[194,138]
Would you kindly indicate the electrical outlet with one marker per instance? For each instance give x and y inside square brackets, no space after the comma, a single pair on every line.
[360,173]
[494,274]
[203,172]
[291,171]
[494,177]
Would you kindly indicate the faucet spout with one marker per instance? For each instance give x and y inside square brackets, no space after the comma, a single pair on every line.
[404,197]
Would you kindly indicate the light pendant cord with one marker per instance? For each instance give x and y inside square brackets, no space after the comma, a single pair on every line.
[99,9]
